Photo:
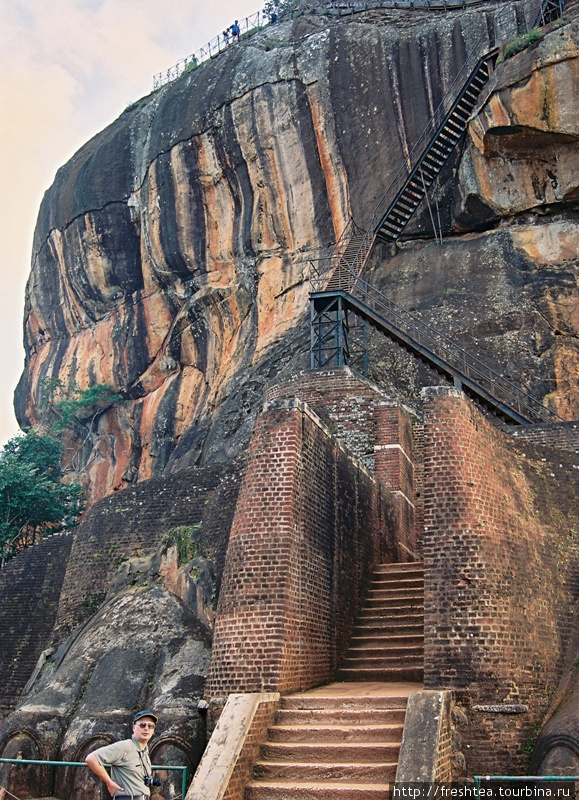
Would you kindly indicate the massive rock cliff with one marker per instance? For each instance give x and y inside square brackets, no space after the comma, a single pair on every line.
[170,253]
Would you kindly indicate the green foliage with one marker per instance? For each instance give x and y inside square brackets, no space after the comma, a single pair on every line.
[531,737]
[520,43]
[137,104]
[33,500]
[183,537]
[80,407]
[192,65]
[92,602]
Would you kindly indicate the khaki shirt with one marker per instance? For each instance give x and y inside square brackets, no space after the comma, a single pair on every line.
[128,768]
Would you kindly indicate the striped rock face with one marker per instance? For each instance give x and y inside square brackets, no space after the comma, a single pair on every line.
[171,252]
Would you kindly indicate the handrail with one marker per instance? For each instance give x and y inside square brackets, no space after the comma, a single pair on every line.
[260,19]
[518,778]
[167,767]
[457,358]
[217,45]
[411,161]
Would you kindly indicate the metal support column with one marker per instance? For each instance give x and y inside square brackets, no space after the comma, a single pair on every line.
[338,336]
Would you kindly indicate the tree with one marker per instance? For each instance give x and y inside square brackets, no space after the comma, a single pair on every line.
[33,499]
[69,409]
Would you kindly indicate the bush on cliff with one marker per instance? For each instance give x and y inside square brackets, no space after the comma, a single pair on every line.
[33,499]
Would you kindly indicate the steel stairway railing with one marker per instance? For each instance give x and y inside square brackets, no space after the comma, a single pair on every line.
[336,282]
[536,12]
[465,369]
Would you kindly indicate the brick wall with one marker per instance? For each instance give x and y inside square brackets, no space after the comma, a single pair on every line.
[309,525]
[29,592]
[384,435]
[344,400]
[394,466]
[562,436]
[133,522]
[501,575]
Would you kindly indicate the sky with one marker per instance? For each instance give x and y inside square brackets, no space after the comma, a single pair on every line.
[67,69]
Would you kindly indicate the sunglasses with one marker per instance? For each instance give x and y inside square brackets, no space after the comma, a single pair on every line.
[146,724]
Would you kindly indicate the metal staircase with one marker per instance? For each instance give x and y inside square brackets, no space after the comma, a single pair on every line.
[332,313]
[340,296]
[435,154]
[433,148]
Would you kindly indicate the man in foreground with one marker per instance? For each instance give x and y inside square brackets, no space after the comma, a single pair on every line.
[131,775]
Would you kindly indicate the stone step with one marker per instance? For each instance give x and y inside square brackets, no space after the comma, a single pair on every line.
[336,752]
[366,773]
[386,734]
[377,626]
[341,716]
[388,622]
[393,608]
[382,662]
[393,640]
[394,604]
[385,610]
[322,790]
[399,568]
[401,673]
[396,698]
[397,585]
[401,652]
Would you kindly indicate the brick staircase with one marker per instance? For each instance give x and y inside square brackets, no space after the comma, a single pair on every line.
[341,741]
[388,640]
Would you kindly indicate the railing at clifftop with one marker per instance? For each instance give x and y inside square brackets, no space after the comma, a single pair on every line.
[260,19]
[217,45]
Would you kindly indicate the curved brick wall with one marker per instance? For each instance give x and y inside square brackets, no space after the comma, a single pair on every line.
[30,587]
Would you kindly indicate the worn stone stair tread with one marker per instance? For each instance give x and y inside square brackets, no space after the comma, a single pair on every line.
[320,751]
[341,716]
[337,733]
[375,772]
[359,694]
[327,784]
[379,648]
[297,789]
[373,673]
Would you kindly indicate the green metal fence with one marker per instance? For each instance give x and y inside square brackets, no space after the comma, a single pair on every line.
[167,767]
[522,778]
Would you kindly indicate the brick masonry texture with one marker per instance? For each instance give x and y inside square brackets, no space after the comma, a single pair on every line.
[309,525]
[501,574]
[29,591]
[133,522]
[562,436]
[49,589]
[343,399]
[384,435]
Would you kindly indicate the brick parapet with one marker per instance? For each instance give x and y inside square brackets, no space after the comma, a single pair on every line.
[233,748]
[500,575]
[256,735]
[561,436]
[310,523]
[343,399]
